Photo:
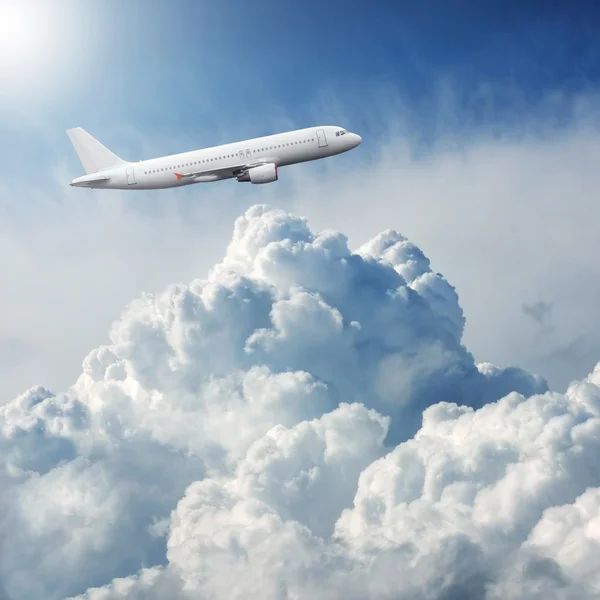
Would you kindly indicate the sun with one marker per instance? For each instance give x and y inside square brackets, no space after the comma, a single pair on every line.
[13,27]
[31,44]
[21,36]
[47,49]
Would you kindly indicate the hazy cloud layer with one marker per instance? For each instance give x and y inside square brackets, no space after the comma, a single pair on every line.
[304,422]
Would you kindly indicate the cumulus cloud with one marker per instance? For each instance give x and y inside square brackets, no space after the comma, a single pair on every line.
[304,422]
[490,503]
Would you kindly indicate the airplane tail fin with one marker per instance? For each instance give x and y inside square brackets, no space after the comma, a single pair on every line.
[93,155]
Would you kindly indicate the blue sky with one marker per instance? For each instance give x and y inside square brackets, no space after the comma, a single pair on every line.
[196,66]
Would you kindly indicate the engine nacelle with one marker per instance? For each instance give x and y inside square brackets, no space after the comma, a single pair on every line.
[262,174]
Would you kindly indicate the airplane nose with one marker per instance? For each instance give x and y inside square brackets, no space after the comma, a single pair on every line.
[356,139]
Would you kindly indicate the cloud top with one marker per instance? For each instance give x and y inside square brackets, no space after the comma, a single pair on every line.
[305,421]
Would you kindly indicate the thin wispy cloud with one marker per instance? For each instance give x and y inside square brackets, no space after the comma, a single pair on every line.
[539,311]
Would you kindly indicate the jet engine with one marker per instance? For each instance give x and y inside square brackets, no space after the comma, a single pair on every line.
[261,174]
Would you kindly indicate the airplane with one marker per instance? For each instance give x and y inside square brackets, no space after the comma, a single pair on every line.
[255,161]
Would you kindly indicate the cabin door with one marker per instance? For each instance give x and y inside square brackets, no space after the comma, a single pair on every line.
[321,137]
[130,176]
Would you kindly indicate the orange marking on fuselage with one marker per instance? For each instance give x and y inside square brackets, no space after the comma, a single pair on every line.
[179,176]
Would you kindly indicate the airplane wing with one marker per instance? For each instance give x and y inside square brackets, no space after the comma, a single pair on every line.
[230,170]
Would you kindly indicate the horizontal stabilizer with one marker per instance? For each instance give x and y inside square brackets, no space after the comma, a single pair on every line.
[87,180]
[93,155]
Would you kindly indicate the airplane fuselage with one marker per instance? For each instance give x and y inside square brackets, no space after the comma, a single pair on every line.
[227,161]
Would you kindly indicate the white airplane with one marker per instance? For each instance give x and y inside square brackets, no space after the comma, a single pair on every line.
[254,160]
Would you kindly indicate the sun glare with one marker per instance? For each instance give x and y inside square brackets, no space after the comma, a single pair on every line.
[21,36]
[34,46]
[13,26]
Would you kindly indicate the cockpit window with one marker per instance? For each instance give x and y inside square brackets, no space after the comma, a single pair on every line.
[341,132]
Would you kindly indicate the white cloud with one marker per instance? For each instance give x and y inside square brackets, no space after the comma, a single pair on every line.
[258,434]
[492,503]
[155,583]
[560,557]
[309,473]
